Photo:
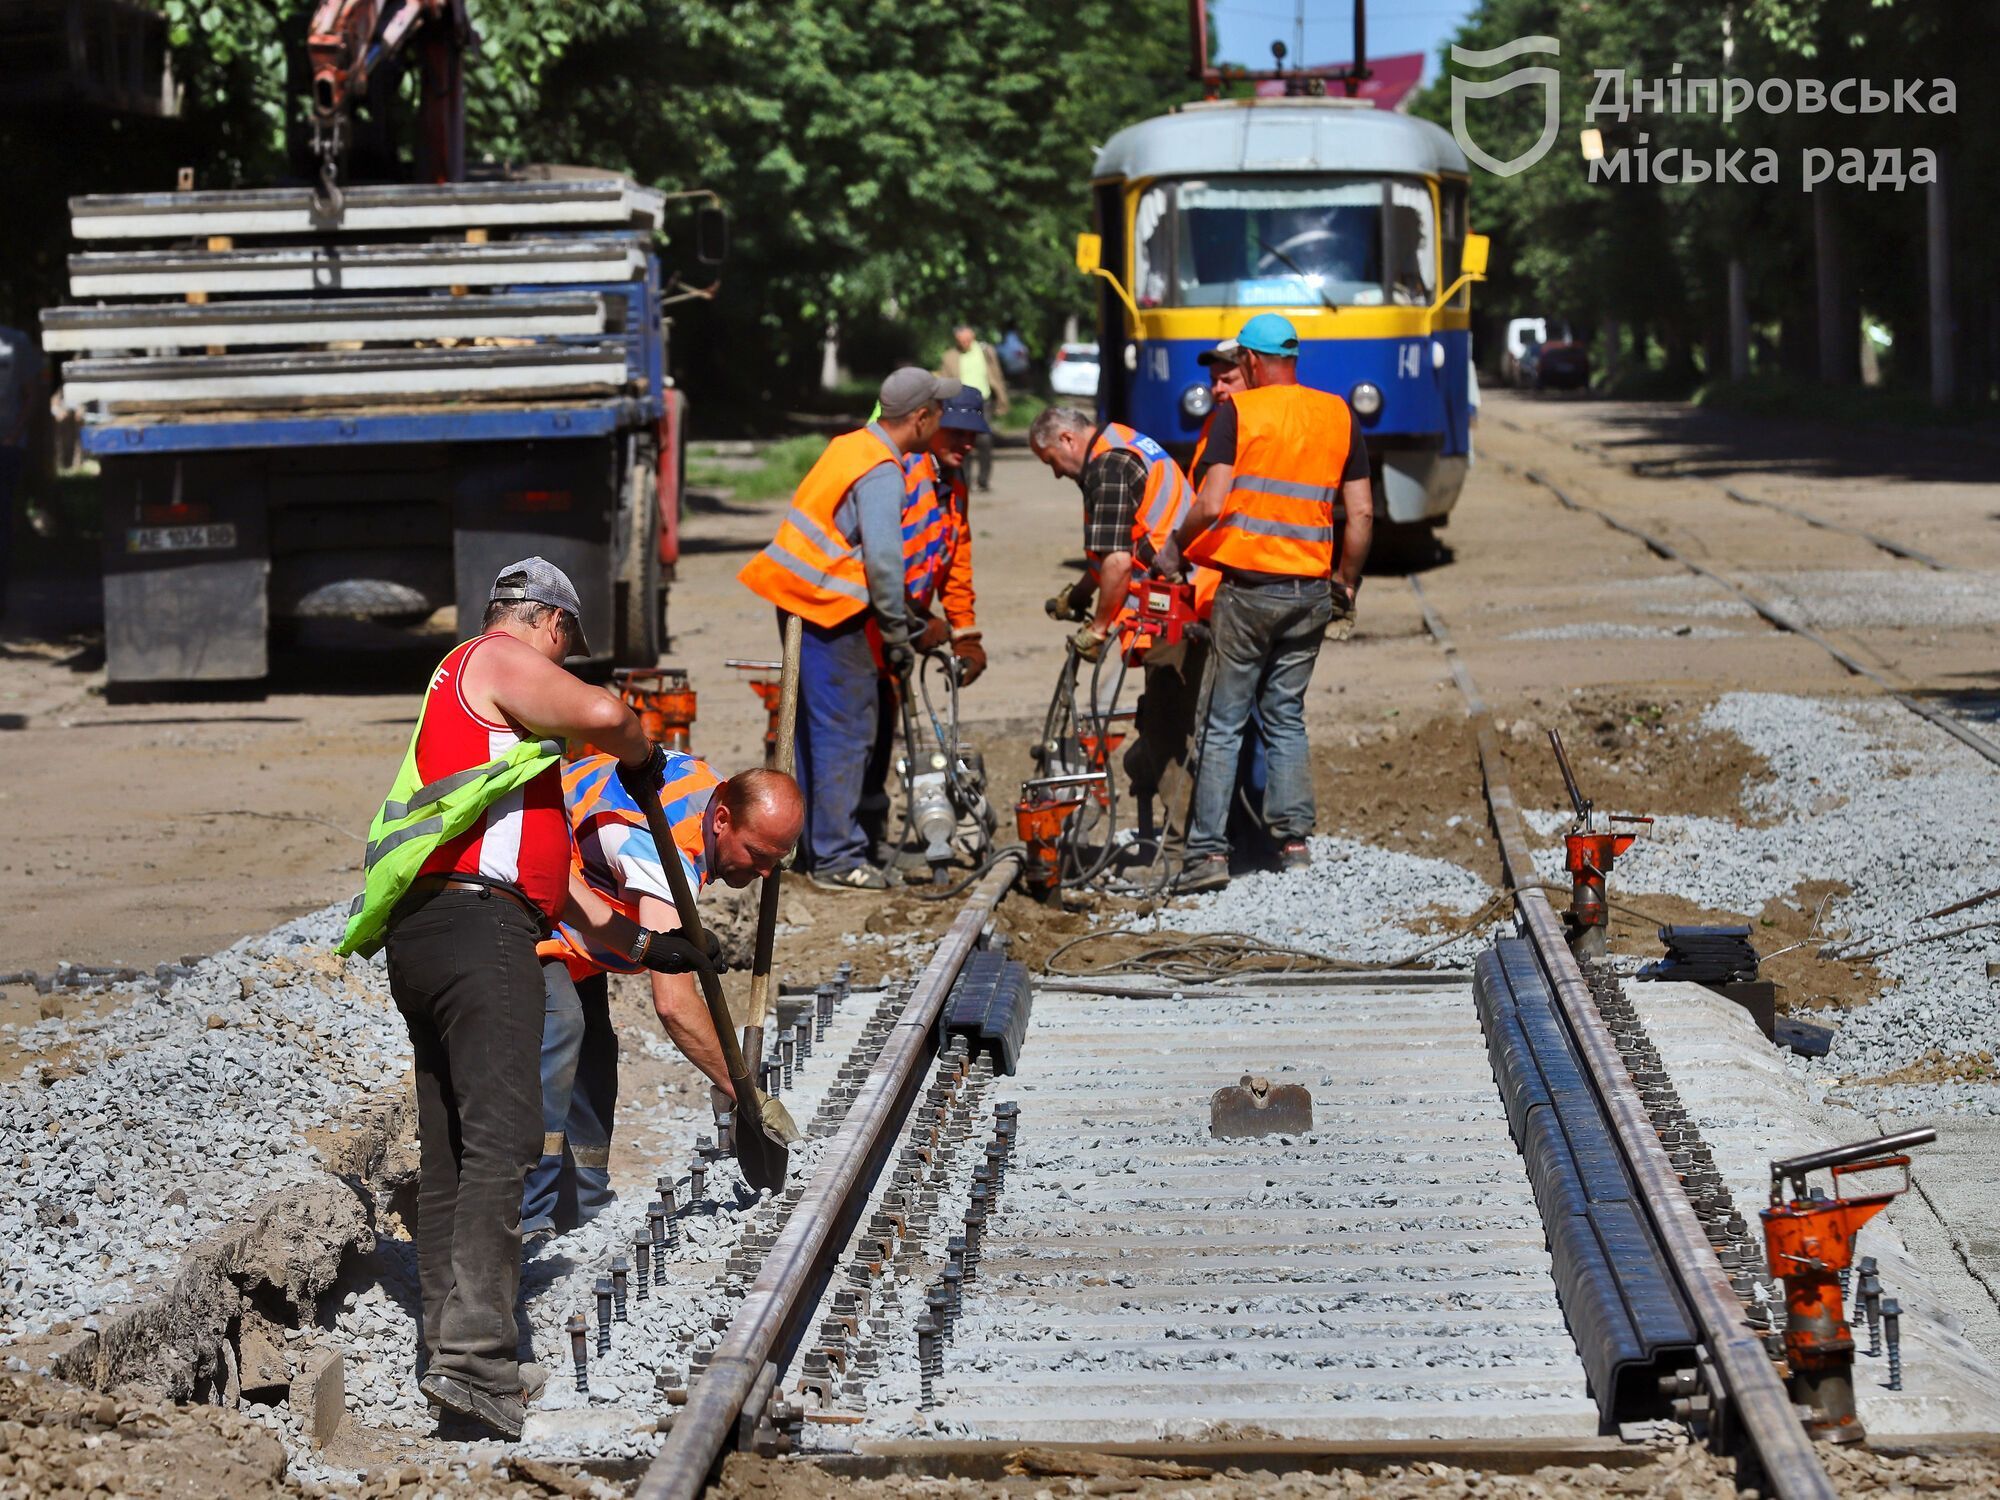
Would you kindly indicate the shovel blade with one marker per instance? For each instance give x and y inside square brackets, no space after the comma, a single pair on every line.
[1255,1107]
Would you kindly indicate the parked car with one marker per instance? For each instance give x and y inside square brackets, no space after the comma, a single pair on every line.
[1523,334]
[1073,372]
[1560,365]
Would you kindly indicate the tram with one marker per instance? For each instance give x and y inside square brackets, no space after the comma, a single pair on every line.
[1348,219]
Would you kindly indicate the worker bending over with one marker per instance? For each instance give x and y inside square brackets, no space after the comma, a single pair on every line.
[735,831]
[1134,496]
[837,562]
[468,863]
[1278,460]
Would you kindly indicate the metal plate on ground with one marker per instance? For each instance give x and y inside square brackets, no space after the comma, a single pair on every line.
[1255,1107]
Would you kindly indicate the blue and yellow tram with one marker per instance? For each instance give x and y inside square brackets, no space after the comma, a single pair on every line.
[1349,220]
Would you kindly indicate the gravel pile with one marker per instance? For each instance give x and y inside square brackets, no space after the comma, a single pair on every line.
[136,1133]
[1848,599]
[1353,903]
[1863,792]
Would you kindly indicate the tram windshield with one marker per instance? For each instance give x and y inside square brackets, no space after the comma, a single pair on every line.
[1285,242]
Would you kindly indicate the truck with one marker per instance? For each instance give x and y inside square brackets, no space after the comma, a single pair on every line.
[351,400]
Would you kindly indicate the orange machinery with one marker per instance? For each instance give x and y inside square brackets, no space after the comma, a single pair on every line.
[1808,1242]
[662,699]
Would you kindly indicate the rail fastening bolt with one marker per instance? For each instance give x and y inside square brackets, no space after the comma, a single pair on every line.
[579,1348]
[788,1054]
[954,1291]
[697,1178]
[927,1360]
[937,1302]
[996,1163]
[603,1315]
[1892,1330]
[955,1252]
[656,1232]
[725,1129]
[642,1255]
[1871,1303]
[975,1232]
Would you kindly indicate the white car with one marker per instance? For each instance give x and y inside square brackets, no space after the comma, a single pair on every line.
[1073,372]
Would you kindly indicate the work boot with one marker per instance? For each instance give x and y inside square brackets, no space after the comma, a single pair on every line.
[534,1380]
[860,878]
[1295,855]
[1208,873]
[506,1415]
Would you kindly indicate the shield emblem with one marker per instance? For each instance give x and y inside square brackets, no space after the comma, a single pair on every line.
[1463,89]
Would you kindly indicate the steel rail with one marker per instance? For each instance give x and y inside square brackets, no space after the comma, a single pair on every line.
[1757,1399]
[1773,615]
[794,1270]
[1798,513]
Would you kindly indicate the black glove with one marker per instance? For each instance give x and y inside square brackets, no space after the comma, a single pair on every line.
[648,776]
[677,953]
[1074,602]
[899,657]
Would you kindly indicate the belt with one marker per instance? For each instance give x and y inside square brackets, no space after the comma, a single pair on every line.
[433,884]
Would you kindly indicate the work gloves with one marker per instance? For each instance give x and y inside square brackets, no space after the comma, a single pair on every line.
[1087,642]
[1341,626]
[971,658]
[648,776]
[677,953]
[1074,602]
[1167,563]
[934,634]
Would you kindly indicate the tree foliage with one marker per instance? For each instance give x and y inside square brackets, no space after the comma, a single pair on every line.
[1652,257]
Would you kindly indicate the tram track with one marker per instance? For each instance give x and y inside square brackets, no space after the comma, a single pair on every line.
[1385,1276]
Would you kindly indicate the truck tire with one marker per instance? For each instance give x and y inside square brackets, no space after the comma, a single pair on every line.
[641,596]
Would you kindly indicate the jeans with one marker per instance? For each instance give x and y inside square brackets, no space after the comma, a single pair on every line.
[571,1184]
[839,724]
[982,461]
[463,970]
[1265,641]
[1163,739]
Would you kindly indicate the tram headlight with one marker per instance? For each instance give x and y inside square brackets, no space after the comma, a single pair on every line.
[1197,401]
[1366,399]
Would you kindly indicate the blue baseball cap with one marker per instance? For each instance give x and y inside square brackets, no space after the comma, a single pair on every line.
[965,411]
[1268,333]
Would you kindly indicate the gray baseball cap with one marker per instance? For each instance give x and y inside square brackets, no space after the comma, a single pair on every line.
[536,580]
[1228,352]
[913,389]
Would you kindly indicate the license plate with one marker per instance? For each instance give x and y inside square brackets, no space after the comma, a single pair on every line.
[217,538]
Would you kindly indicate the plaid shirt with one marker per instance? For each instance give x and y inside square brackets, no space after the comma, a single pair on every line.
[1114,483]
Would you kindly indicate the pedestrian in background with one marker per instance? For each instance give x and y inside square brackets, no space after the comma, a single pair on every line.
[977,365]
[1279,458]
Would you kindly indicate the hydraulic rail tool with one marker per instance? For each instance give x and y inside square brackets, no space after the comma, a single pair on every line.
[1590,849]
[1809,1244]
[1041,819]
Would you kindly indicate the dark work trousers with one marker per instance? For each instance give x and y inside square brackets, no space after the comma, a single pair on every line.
[1163,725]
[875,799]
[840,715]
[1266,638]
[982,461]
[462,967]
[571,1183]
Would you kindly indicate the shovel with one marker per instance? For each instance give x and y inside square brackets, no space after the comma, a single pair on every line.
[764,1128]
[767,896]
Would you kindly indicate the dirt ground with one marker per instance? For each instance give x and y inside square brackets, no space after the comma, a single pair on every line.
[143,833]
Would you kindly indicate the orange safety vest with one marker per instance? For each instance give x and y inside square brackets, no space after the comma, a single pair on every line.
[601,810]
[1291,447]
[812,568]
[926,530]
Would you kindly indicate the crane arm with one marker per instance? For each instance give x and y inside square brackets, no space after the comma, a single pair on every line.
[351,42]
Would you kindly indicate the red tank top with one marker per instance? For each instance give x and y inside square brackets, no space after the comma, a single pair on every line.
[524,837]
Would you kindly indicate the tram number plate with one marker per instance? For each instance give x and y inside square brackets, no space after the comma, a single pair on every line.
[220,537]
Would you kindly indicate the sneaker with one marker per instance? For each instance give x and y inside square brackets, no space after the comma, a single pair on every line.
[1208,873]
[1295,856]
[506,1415]
[860,878]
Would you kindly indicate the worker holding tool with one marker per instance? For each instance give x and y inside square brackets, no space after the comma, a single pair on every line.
[734,831]
[1279,458]
[468,863]
[937,529]
[1133,497]
[837,563]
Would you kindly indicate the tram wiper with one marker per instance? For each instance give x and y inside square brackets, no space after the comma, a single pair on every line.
[1297,270]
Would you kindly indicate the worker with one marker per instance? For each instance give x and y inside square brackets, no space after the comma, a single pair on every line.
[837,563]
[735,831]
[1133,497]
[937,529]
[1279,458]
[468,863]
[1224,364]
[977,364]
